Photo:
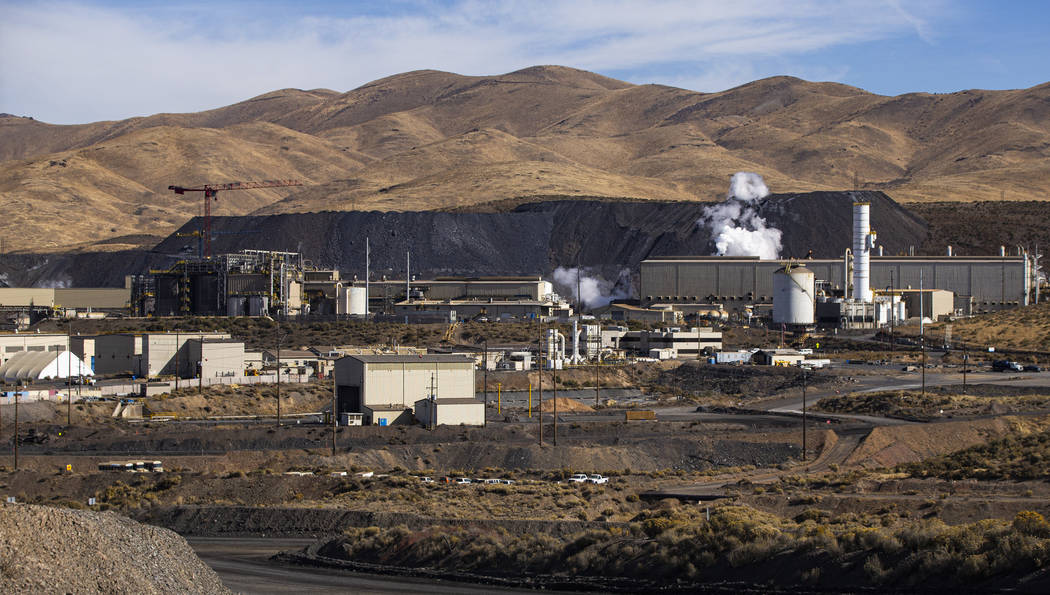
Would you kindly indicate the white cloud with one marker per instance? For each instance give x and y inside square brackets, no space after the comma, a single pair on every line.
[77,62]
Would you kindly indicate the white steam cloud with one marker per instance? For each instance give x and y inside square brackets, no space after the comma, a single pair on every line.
[596,292]
[736,226]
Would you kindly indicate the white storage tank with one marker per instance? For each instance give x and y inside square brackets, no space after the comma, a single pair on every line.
[358,301]
[793,295]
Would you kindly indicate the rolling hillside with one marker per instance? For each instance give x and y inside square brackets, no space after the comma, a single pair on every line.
[435,140]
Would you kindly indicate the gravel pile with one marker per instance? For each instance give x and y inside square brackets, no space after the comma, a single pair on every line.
[57,550]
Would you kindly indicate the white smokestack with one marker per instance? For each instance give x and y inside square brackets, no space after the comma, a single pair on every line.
[863,242]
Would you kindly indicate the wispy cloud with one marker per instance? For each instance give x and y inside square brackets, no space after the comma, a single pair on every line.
[80,61]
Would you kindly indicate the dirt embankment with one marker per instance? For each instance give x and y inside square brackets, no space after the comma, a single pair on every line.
[57,550]
[887,446]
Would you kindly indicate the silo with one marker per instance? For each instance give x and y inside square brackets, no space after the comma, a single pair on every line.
[358,301]
[793,295]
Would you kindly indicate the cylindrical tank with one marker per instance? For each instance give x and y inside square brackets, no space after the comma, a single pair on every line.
[258,305]
[863,241]
[793,295]
[358,301]
[235,306]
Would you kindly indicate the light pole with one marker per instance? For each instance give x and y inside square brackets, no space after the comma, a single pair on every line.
[485,373]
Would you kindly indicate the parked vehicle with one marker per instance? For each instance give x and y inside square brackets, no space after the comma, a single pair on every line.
[579,478]
[1032,368]
[488,481]
[507,481]
[598,479]
[1003,365]
[463,480]
[426,479]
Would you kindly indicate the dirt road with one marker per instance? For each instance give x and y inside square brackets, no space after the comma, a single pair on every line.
[243,564]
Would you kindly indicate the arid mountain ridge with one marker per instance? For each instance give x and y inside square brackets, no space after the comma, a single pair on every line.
[434,140]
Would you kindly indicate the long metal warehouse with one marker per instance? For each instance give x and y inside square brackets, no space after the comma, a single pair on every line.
[993,282]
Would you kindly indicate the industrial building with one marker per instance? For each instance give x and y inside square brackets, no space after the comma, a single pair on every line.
[666,343]
[864,284]
[990,282]
[384,389]
[246,283]
[153,354]
[12,344]
[491,308]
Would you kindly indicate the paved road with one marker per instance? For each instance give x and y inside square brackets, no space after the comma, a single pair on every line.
[243,565]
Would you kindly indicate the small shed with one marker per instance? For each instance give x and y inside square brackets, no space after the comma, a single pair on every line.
[778,357]
[450,412]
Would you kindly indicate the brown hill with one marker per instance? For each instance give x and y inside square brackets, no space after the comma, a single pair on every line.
[428,139]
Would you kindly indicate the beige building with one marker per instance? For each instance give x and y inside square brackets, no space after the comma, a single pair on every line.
[674,343]
[79,298]
[152,354]
[932,303]
[215,357]
[450,412]
[385,388]
[14,343]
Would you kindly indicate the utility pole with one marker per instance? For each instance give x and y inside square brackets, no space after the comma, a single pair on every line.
[922,342]
[803,415]
[499,398]
[554,374]
[176,357]
[922,333]
[966,364]
[277,340]
[368,264]
[335,419]
[597,388]
[539,373]
[485,372]
[200,367]
[16,430]
[69,373]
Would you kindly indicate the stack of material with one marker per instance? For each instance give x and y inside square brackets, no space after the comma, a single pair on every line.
[57,550]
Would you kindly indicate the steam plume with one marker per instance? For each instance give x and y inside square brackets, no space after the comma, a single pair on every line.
[736,226]
[596,292]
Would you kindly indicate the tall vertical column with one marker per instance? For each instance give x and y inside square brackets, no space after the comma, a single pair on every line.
[863,241]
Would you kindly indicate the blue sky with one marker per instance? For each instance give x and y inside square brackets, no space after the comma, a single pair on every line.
[73,62]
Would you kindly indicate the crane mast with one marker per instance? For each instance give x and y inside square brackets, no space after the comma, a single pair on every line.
[211,193]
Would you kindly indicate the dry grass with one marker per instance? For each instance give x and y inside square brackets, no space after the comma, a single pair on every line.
[673,544]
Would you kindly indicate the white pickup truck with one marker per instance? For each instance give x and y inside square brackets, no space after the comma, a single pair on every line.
[597,479]
[579,478]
